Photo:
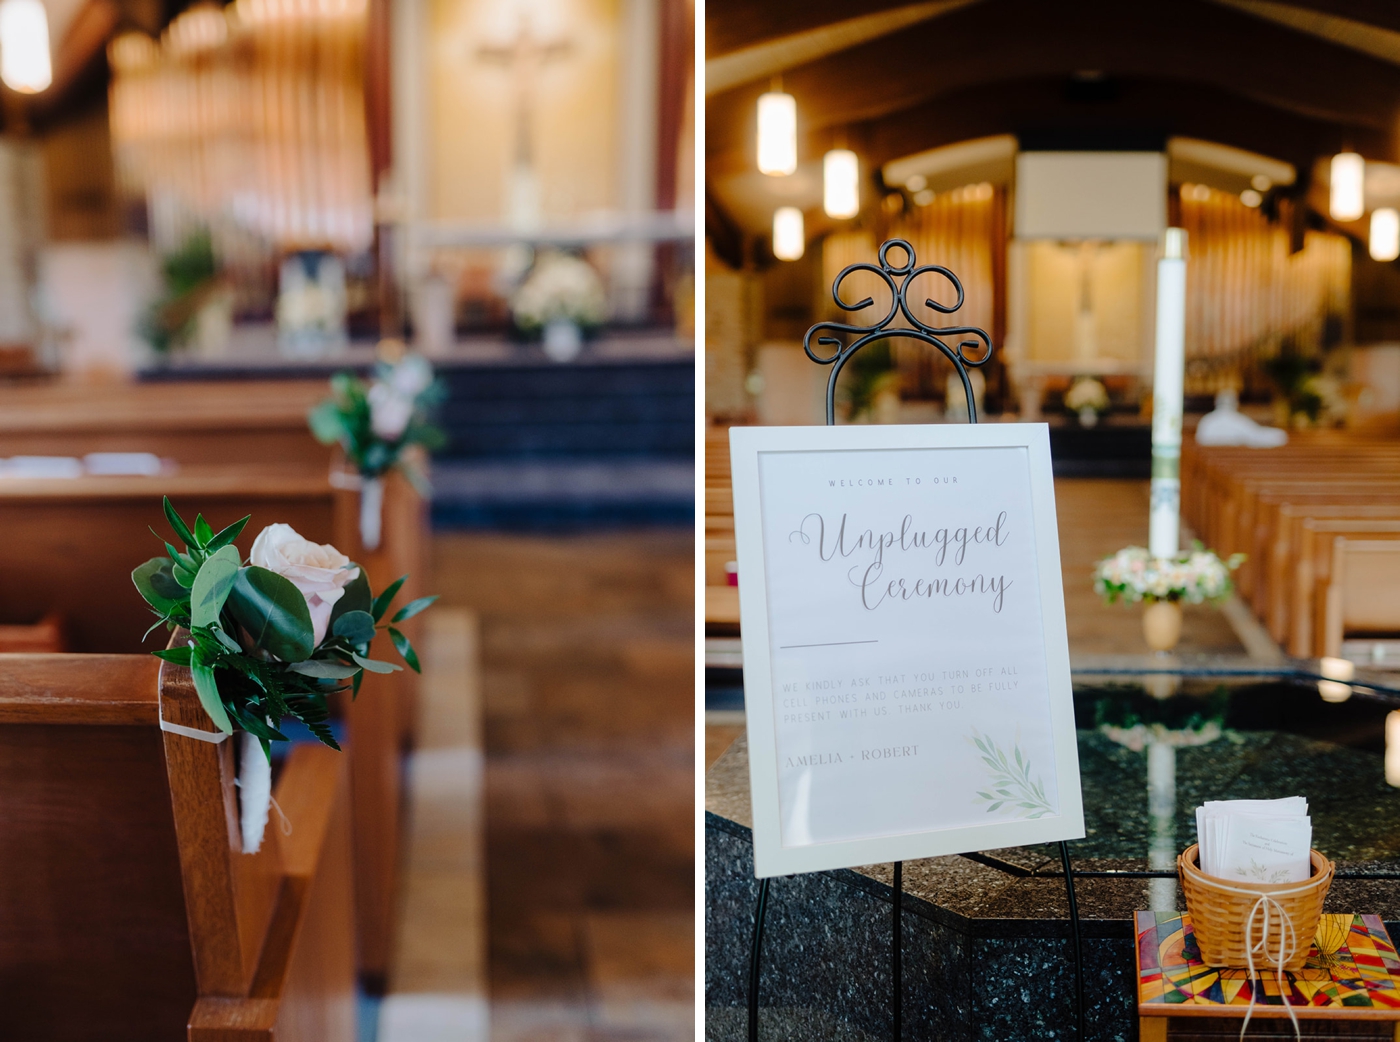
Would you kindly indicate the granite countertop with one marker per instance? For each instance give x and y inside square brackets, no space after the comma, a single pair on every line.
[985,901]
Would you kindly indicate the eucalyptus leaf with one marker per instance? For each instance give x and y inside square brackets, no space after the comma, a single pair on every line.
[274,613]
[382,602]
[405,648]
[157,586]
[183,576]
[208,690]
[374,666]
[412,608]
[212,585]
[326,425]
[355,626]
[356,597]
[226,639]
[324,668]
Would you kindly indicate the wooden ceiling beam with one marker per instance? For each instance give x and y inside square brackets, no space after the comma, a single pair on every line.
[1200,43]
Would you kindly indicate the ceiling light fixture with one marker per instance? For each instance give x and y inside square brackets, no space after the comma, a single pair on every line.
[841,183]
[789,234]
[1385,234]
[25,65]
[1347,201]
[777,133]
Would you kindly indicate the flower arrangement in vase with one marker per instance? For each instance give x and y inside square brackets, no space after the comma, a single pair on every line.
[268,639]
[1087,397]
[1161,583]
[560,299]
[375,422]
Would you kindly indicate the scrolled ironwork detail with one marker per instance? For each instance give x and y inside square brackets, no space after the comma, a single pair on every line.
[973,349]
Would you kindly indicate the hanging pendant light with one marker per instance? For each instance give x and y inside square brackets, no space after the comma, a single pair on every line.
[1385,234]
[789,234]
[841,183]
[777,133]
[1348,196]
[25,65]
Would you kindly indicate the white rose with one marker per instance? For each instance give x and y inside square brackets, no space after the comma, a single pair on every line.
[412,376]
[389,412]
[318,570]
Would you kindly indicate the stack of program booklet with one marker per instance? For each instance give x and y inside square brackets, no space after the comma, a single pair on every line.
[1255,841]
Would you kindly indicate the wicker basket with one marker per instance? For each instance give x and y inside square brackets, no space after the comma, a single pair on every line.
[1220,911]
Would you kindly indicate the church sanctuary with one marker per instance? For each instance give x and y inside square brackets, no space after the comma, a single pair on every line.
[1121,281]
[347,520]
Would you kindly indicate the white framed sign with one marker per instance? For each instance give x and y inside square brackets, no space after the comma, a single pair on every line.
[906,669]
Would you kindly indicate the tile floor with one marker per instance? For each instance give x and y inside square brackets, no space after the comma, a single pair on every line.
[587,670]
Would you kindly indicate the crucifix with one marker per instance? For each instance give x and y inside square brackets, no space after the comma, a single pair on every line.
[527,58]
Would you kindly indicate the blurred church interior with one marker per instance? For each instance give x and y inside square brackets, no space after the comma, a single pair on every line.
[1039,152]
[207,210]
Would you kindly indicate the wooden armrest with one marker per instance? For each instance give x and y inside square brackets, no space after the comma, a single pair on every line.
[305,980]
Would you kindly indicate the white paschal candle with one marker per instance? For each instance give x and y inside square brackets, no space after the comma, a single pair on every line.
[1392,748]
[1168,374]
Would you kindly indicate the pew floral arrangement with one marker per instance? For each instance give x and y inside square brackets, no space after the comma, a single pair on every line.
[375,422]
[271,638]
[1133,575]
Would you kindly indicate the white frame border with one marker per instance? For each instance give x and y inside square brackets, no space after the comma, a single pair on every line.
[771,858]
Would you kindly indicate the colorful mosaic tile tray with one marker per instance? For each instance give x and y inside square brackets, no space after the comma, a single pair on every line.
[1361,979]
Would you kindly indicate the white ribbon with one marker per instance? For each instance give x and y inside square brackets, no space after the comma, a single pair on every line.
[212,737]
[371,512]
[371,490]
[1287,943]
[254,792]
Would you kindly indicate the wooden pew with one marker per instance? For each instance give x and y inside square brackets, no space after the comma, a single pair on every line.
[128,910]
[1360,596]
[193,422]
[70,545]
[721,599]
[1284,507]
[1292,568]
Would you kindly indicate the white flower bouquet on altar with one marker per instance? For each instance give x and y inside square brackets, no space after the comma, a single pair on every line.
[375,422]
[1196,576]
[270,639]
[560,298]
[1087,397]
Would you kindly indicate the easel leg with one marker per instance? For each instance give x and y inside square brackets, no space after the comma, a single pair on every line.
[754,955]
[897,967]
[1078,945]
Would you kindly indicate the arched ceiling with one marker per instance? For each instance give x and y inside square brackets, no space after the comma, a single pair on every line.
[1293,81]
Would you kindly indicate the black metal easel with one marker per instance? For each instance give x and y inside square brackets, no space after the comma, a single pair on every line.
[977,339]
